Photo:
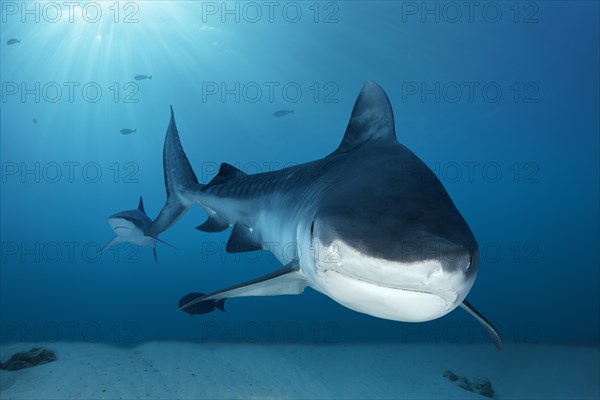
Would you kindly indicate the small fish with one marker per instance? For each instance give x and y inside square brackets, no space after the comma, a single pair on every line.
[142,77]
[12,41]
[203,307]
[35,121]
[282,113]
[128,131]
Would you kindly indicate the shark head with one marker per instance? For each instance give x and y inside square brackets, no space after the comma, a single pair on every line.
[388,274]
[389,241]
[130,226]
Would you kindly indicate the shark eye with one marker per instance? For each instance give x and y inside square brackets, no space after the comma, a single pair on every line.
[312,230]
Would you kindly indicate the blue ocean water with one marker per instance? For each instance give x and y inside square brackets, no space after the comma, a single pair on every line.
[500,99]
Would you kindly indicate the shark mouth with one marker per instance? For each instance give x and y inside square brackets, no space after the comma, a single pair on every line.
[425,279]
[449,297]
[387,301]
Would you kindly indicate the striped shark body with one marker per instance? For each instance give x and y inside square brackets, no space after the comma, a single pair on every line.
[369,225]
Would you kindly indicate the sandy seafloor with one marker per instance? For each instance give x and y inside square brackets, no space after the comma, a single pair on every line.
[172,370]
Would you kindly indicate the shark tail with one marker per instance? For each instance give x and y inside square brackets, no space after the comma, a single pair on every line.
[182,186]
[183,189]
[220,304]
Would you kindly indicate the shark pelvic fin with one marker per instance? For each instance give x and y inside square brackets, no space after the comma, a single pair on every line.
[214,223]
[243,239]
[287,280]
[372,120]
[496,338]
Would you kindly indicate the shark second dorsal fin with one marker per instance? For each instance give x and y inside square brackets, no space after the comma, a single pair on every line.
[141,205]
[226,173]
[372,120]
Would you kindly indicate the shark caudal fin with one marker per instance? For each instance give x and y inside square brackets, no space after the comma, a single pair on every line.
[180,181]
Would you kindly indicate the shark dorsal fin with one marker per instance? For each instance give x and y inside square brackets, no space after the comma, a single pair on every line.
[372,120]
[141,205]
[226,173]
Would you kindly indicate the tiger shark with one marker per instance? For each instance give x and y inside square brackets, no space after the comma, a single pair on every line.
[370,224]
[130,226]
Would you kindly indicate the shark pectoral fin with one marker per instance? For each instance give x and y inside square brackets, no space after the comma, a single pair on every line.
[287,280]
[163,242]
[110,244]
[483,321]
[243,239]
